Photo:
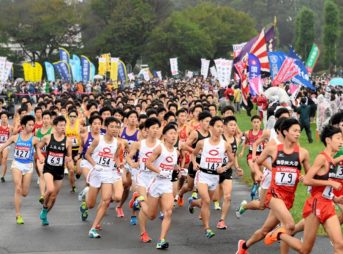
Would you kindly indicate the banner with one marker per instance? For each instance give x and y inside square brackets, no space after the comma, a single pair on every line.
[92,73]
[37,72]
[213,72]
[237,48]
[50,71]
[255,81]
[2,67]
[107,59]
[205,65]
[28,73]
[189,74]
[86,68]
[174,68]
[64,55]
[122,72]
[276,59]
[286,72]
[102,66]
[7,71]
[312,58]
[76,69]
[114,69]
[63,70]
[159,74]
[131,76]
[224,68]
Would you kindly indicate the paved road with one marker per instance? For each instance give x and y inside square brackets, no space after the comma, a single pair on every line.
[67,233]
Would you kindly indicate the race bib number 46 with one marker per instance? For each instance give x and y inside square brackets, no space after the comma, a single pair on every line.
[285,178]
[55,159]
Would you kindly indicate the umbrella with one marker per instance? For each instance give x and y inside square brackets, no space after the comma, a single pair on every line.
[336,82]
[277,92]
[99,77]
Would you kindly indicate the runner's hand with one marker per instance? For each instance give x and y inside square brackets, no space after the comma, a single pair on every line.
[196,166]
[220,170]
[258,176]
[239,172]
[336,185]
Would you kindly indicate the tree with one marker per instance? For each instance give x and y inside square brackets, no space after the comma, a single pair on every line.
[38,26]
[207,30]
[119,27]
[331,33]
[304,31]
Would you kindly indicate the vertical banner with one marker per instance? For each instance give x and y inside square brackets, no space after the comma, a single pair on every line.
[114,69]
[2,66]
[102,66]
[213,71]
[131,76]
[64,55]
[159,74]
[37,72]
[174,68]
[86,68]
[205,65]
[63,70]
[255,81]
[27,71]
[237,48]
[107,58]
[123,76]
[312,58]
[77,69]
[92,73]
[224,68]
[7,71]
[50,71]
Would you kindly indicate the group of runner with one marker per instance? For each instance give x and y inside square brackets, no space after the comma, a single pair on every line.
[155,145]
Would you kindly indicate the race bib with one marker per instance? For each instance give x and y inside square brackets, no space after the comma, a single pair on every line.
[259,149]
[22,152]
[43,149]
[339,173]
[328,193]
[3,138]
[55,159]
[225,160]
[285,179]
[104,161]
[74,141]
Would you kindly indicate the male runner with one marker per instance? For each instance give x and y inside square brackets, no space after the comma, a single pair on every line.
[5,133]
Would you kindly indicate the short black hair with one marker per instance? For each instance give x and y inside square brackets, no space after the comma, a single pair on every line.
[180,111]
[227,108]
[169,126]
[203,115]
[150,112]
[327,132]
[287,124]
[4,113]
[132,112]
[152,121]
[110,120]
[229,119]
[173,104]
[255,117]
[46,112]
[281,111]
[196,106]
[94,117]
[215,119]
[167,115]
[336,118]
[59,119]
[104,109]
[26,119]
[278,124]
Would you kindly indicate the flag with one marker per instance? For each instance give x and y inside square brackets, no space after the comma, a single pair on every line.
[224,68]
[259,49]
[312,58]
[276,59]
[86,69]
[7,70]
[114,69]
[50,71]
[92,71]
[76,68]
[286,72]
[213,71]
[3,61]
[63,70]
[107,59]
[205,65]
[37,72]
[102,66]
[159,74]
[64,55]
[28,72]
[255,81]
[174,68]
[237,48]
[122,72]
[131,76]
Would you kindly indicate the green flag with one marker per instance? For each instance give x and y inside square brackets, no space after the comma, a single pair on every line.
[312,58]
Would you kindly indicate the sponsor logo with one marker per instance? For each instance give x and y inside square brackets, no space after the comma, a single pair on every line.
[169,159]
[213,152]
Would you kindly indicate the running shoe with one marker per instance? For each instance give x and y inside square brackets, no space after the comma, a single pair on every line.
[240,249]
[44,216]
[3,179]
[162,244]
[136,204]
[145,238]
[254,191]
[209,233]
[66,172]
[217,206]
[84,211]
[133,220]
[180,201]
[190,207]
[73,189]
[77,175]
[272,236]
[20,220]
[82,194]
[41,199]
[221,225]
[120,212]
[194,195]
[133,199]
[93,233]
[161,216]
[241,209]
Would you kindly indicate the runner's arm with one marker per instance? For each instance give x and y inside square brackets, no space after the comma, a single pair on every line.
[9,141]
[187,146]
[133,150]
[155,154]
[265,136]
[196,150]
[244,144]
[90,151]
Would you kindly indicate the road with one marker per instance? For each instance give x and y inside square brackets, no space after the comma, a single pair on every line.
[67,234]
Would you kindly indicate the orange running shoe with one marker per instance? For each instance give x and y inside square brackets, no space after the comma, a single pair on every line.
[240,249]
[120,212]
[221,225]
[180,201]
[145,238]
[272,236]
[132,200]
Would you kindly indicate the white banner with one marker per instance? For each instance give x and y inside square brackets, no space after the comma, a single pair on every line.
[131,76]
[205,65]
[224,68]
[146,74]
[2,67]
[213,71]
[7,71]
[174,68]
[237,48]
[189,74]
[159,74]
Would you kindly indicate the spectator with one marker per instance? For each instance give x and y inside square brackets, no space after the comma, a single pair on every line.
[304,118]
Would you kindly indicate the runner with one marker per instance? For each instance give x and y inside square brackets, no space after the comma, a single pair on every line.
[103,155]
[213,151]
[144,148]
[162,161]
[58,153]
[250,138]
[319,209]
[46,129]
[5,133]
[286,167]
[22,165]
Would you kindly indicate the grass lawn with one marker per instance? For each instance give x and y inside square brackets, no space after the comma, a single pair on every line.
[314,149]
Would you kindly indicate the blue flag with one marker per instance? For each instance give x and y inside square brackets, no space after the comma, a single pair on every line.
[76,68]
[63,70]
[85,64]
[50,71]
[255,82]
[92,72]
[64,55]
